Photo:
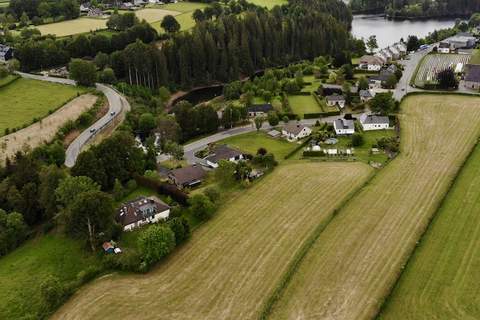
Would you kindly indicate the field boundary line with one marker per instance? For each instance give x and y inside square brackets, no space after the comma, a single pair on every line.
[293,266]
[424,233]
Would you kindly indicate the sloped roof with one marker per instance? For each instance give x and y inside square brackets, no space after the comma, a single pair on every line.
[260,108]
[136,210]
[373,119]
[294,128]
[223,152]
[188,174]
[344,124]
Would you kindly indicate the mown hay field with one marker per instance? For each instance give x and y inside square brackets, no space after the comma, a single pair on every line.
[442,279]
[71,27]
[233,262]
[358,257]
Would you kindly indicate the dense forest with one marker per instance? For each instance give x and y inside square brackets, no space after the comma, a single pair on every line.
[233,46]
[418,8]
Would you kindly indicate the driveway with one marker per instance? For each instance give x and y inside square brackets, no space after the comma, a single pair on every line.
[117,106]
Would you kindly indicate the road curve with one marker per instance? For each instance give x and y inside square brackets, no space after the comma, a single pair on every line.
[117,105]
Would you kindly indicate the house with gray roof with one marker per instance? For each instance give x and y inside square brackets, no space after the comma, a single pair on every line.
[6,53]
[187,177]
[344,126]
[336,100]
[366,95]
[294,131]
[256,110]
[374,122]
[223,152]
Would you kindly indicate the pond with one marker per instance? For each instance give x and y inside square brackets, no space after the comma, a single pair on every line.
[391,31]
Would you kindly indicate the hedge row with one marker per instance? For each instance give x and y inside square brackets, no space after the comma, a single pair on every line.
[301,146]
[163,188]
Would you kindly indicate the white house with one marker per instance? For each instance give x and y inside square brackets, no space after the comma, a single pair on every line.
[395,52]
[142,210]
[295,131]
[336,100]
[223,152]
[344,126]
[259,109]
[444,47]
[401,47]
[374,122]
[370,63]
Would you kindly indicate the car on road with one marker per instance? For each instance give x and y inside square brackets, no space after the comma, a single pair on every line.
[112,113]
[93,130]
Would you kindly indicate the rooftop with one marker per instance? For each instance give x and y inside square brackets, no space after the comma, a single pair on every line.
[223,152]
[260,108]
[140,209]
[294,128]
[344,124]
[188,174]
[373,119]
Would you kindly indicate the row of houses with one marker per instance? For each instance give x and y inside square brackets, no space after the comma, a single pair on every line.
[378,60]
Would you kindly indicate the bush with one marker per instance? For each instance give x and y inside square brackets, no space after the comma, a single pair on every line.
[155,242]
[201,206]
[181,229]
[88,274]
[52,292]
[357,140]
[212,193]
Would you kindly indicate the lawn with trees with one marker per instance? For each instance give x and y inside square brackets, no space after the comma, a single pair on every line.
[19,109]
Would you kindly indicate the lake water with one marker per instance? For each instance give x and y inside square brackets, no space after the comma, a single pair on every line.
[391,31]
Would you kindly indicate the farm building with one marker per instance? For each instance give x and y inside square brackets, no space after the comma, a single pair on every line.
[374,122]
[140,211]
[259,109]
[472,76]
[295,131]
[6,53]
[223,152]
[344,126]
[370,63]
[336,100]
[187,177]
[462,40]
[444,47]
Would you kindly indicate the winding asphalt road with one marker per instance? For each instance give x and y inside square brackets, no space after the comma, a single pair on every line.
[117,105]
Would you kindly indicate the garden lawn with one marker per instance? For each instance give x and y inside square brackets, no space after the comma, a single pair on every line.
[251,142]
[370,139]
[475,57]
[23,270]
[356,260]
[7,80]
[441,280]
[303,104]
[25,99]
[153,15]
[268,3]
[71,27]
[235,260]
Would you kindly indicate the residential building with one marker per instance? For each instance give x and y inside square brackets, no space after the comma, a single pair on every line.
[374,122]
[84,7]
[336,100]
[95,12]
[140,211]
[366,95]
[329,89]
[259,109]
[370,63]
[6,53]
[387,54]
[187,177]
[394,51]
[294,131]
[401,47]
[223,152]
[462,40]
[472,76]
[344,126]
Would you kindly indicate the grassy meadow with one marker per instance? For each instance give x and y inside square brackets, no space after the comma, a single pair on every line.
[251,142]
[356,260]
[303,104]
[441,280]
[268,3]
[233,262]
[25,99]
[71,27]
[23,271]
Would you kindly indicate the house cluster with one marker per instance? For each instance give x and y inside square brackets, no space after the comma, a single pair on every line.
[6,53]
[368,122]
[462,40]
[383,57]
[141,211]
[379,81]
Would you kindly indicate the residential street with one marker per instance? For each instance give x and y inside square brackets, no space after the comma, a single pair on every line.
[117,105]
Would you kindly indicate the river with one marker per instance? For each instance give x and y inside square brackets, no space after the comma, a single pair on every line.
[390,31]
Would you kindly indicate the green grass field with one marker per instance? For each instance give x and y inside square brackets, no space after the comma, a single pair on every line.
[24,100]
[71,27]
[441,280]
[251,142]
[23,270]
[8,79]
[303,104]
[475,57]
[268,3]
[185,10]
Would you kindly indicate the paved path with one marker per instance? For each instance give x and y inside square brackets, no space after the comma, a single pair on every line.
[117,106]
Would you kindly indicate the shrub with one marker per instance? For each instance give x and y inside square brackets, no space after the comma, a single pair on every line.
[181,229]
[52,292]
[357,140]
[155,242]
[212,193]
[201,206]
